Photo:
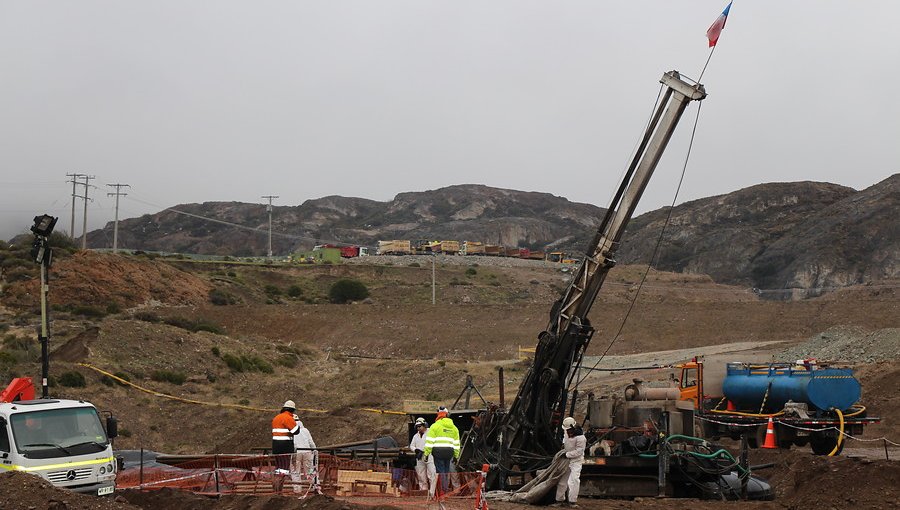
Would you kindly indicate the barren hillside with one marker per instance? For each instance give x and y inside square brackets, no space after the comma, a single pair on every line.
[289,342]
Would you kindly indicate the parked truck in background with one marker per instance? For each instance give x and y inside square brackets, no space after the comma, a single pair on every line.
[394,247]
[808,402]
[62,441]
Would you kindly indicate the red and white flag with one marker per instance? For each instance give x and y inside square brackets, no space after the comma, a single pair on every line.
[716,29]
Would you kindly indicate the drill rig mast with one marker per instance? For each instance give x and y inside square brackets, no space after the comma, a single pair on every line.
[526,436]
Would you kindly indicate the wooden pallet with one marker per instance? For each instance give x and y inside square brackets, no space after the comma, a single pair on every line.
[254,487]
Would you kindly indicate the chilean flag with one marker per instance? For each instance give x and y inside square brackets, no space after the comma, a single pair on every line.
[713,33]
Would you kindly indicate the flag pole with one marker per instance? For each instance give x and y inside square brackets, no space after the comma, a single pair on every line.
[699,80]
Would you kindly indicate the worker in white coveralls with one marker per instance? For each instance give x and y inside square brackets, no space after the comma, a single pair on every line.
[303,441]
[425,469]
[574,444]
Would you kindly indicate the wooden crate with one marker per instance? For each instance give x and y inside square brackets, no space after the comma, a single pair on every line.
[355,483]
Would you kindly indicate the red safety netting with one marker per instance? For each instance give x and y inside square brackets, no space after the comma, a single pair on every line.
[364,481]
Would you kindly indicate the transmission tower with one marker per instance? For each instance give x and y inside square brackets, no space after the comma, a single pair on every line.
[117,194]
[269,210]
[75,183]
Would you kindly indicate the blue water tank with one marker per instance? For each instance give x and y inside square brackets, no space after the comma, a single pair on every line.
[820,388]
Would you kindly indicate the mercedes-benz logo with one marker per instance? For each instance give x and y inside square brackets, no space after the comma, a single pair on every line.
[70,475]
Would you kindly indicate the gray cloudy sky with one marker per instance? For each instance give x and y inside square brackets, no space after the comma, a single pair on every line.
[192,101]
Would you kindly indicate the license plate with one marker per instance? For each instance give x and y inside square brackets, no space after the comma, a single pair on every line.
[103,491]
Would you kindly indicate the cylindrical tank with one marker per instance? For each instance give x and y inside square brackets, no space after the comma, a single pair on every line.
[637,391]
[600,412]
[821,389]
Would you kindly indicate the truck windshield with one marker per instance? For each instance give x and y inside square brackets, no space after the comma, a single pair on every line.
[58,432]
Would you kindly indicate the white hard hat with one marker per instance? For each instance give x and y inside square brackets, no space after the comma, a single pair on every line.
[289,404]
[420,420]
[568,423]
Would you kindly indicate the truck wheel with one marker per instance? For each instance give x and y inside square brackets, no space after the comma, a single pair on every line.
[822,444]
[757,439]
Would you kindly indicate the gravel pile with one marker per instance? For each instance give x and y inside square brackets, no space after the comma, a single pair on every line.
[849,344]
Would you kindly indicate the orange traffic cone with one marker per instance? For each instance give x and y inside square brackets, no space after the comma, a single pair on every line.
[730,406]
[770,435]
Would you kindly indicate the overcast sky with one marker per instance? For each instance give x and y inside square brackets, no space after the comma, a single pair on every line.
[223,100]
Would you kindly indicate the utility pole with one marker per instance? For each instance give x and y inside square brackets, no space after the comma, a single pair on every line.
[117,194]
[269,210]
[74,182]
[87,184]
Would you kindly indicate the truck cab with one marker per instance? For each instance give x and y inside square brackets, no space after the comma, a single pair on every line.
[63,441]
[690,383]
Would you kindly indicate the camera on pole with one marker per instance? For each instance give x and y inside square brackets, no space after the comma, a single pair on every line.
[42,228]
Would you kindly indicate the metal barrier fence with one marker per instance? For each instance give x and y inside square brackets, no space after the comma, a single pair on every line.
[363,482]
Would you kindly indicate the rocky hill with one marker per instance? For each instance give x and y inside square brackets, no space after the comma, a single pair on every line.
[803,235]
[474,212]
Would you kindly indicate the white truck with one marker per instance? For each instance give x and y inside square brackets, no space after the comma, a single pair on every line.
[63,441]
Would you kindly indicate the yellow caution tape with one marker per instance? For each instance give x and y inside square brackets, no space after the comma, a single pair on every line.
[218,404]
[382,411]
[187,400]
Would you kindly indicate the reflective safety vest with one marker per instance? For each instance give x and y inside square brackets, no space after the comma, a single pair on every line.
[284,427]
[442,434]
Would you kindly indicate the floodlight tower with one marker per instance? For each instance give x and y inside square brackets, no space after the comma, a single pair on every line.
[43,255]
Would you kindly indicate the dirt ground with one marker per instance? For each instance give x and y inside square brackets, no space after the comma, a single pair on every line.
[337,360]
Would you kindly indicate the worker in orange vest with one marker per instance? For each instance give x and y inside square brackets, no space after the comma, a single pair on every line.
[284,428]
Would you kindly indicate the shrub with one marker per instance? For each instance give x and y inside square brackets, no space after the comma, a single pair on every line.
[168,376]
[414,264]
[471,271]
[215,351]
[109,381]
[208,326]
[287,360]
[124,432]
[346,290]
[147,317]
[232,274]
[255,363]
[17,274]
[272,290]
[7,358]
[246,363]
[72,380]
[193,326]
[298,351]
[233,362]
[113,308]
[244,402]
[219,297]
[295,291]
[88,311]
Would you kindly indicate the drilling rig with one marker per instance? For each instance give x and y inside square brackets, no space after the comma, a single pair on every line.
[523,438]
